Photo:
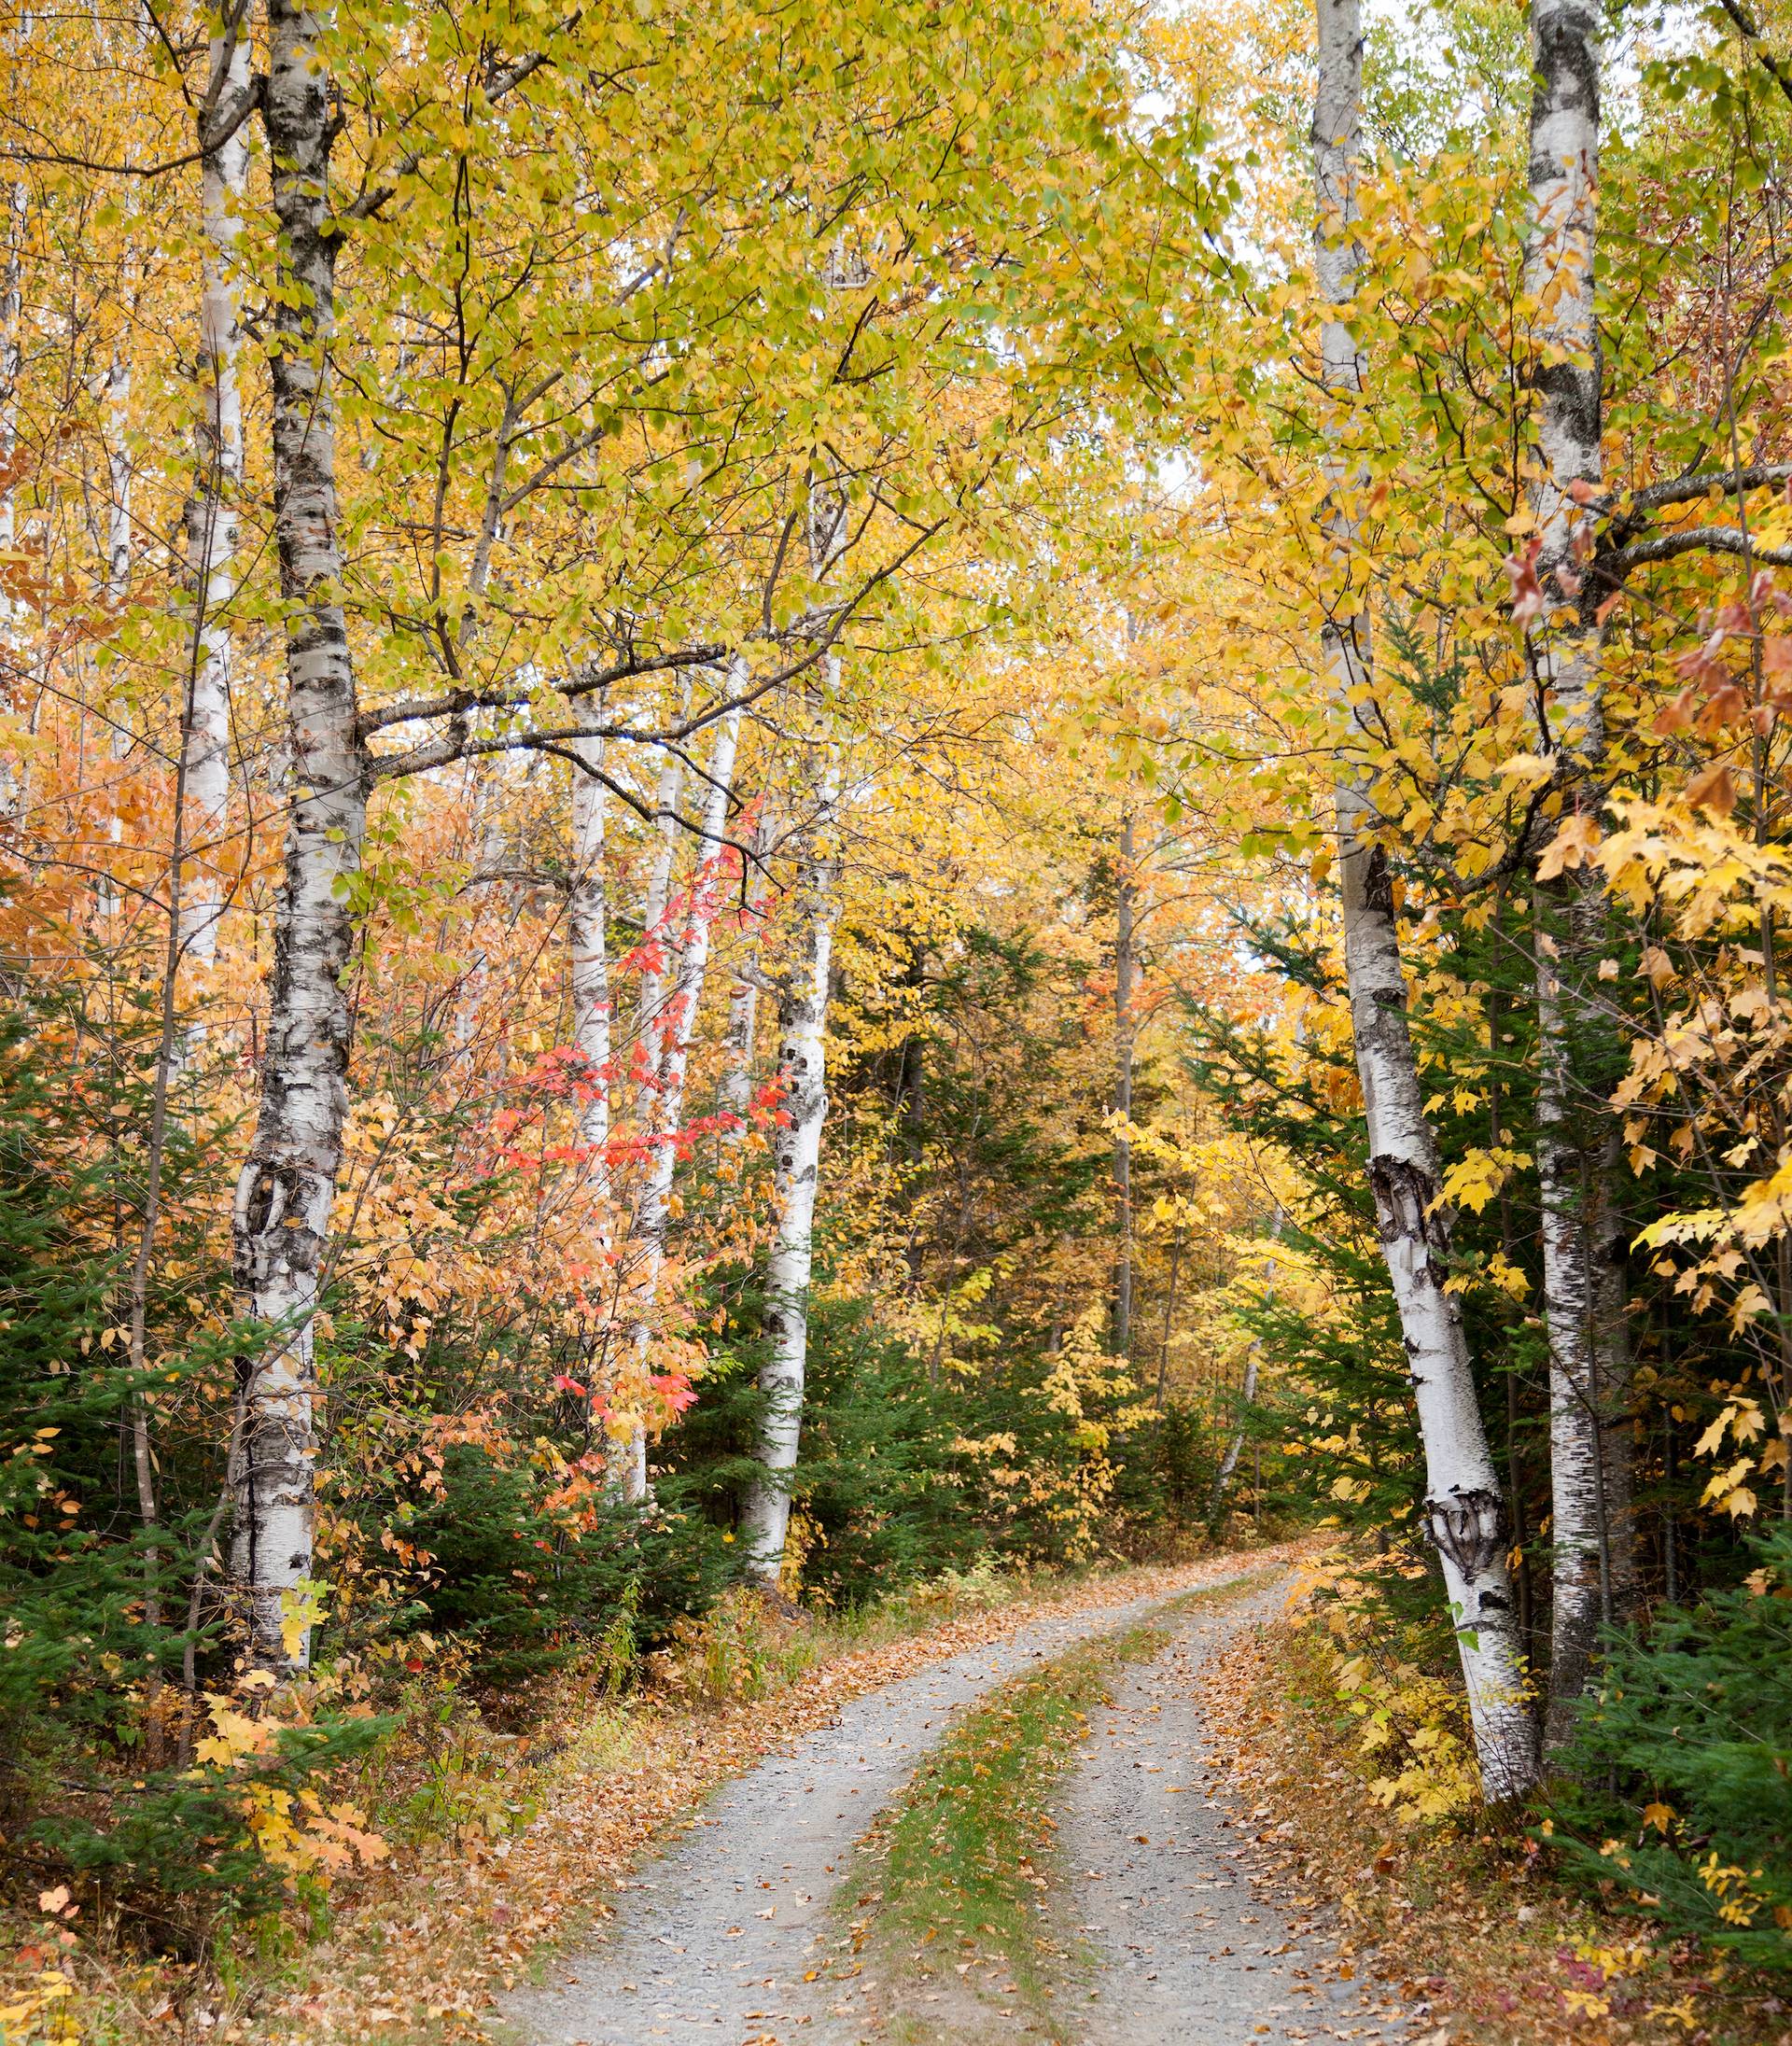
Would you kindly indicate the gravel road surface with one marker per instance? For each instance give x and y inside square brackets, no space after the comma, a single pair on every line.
[1161,1887]
[710,1941]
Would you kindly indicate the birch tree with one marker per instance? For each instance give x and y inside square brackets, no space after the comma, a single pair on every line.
[734,1096]
[796,1164]
[12,271]
[657,938]
[588,943]
[1464,1515]
[288,1180]
[1578,1156]
[213,517]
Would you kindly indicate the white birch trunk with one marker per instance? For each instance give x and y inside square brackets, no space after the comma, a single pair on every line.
[588,942]
[1229,1463]
[115,587]
[734,1095]
[1579,1157]
[1235,1449]
[490,856]
[676,1023]
[13,276]
[1464,1515]
[211,513]
[119,473]
[796,1157]
[288,1181]
[655,932]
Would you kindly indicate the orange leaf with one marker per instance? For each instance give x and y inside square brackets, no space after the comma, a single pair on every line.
[1715,790]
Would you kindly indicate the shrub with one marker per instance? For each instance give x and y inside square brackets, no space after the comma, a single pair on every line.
[1680,1786]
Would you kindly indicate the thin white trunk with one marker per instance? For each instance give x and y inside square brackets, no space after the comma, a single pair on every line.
[1579,1157]
[489,860]
[1229,1462]
[588,942]
[1235,1449]
[656,933]
[734,1097]
[674,1026]
[796,1157]
[288,1180]
[119,473]
[116,585]
[1464,1515]
[212,514]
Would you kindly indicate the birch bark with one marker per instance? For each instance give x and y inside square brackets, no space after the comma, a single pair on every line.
[674,1028]
[1578,1157]
[655,934]
[288,1180]
[1464,1515]
[212,516]
[734,1095]
[740,1033]
[796,1160]
[119,476]
[116,588]
[588,939]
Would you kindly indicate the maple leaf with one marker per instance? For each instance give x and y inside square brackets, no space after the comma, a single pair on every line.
[1572,847]
[1713,789]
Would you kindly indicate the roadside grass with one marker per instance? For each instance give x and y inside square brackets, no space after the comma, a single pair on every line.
[955,1896]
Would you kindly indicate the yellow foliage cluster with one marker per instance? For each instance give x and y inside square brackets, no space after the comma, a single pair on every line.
[1413,1732]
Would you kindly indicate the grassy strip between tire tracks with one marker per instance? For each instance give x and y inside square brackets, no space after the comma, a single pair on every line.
[952,1895]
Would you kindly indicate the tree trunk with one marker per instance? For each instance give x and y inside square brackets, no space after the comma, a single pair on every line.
[734,1094]
[1463,1513]
[1235,1449]
[1578,1156]
[212,518]
[288,1181]
[803,1016]
[115,588]
[656,935]
[118,477]
[674,1028]
[1123,966]
[588,942]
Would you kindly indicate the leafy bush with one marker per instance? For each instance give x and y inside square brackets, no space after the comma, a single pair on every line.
[1681,1774]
